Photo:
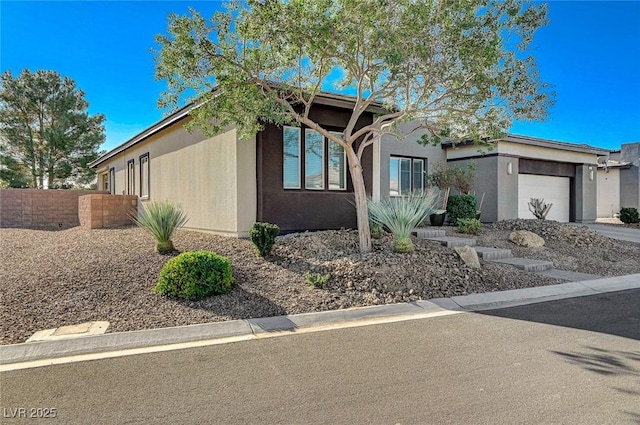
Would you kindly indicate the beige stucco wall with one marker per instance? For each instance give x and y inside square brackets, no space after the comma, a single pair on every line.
[212,178]
[407,146]
[608,192]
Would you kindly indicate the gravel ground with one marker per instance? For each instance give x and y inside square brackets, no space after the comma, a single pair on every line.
[50,279]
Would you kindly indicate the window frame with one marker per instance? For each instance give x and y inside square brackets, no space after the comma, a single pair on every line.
[144,158]
[112,181]
[344,158]
[299,158]
[131,177]
[323,162]
[412,185]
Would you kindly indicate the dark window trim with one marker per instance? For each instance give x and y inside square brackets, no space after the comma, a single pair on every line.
[131,178]
[148,182]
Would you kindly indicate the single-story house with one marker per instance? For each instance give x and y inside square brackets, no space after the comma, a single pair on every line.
[619,180]
[296,179]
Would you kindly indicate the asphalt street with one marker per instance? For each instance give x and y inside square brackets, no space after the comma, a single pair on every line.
[574,361]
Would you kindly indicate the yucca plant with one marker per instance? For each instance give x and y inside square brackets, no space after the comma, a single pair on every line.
[401,215]
[161,219]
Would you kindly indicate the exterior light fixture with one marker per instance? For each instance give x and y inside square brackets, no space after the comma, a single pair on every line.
[591,173]
[510,168]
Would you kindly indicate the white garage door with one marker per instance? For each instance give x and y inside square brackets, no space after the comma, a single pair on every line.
[553,190]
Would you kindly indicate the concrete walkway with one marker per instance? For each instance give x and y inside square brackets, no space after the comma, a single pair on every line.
[615,232]
[36,354]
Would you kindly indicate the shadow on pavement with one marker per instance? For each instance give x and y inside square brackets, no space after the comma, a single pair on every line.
[614,313]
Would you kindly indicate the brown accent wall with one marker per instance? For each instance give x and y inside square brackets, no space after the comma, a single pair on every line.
[547,168]
[104,211]
[40,209]
[302,209]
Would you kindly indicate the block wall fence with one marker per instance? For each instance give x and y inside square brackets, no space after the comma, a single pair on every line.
[99,211]
[60,209]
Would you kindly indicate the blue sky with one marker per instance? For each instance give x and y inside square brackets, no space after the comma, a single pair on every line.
[590,52]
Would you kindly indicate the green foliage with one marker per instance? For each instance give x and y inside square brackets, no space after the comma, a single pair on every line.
[263,236]
[461,206]
[458,70]
[401,215]
[161,219]
[451,176]
[316,280]
[470,225]
[195,275]
[3,183]
[47,137]
[629,215]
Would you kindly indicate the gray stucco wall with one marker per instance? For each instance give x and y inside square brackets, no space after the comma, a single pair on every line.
[500,188]
[630,177]
[586,193]
[406,147]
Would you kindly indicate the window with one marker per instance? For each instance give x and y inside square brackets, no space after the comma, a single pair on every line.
[291,158]
[313,159]
[406,175]
[131,181]
[317,164]
[144,176]
[337,165]
[112,181]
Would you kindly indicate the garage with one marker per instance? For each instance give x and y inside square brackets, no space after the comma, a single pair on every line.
[555,190]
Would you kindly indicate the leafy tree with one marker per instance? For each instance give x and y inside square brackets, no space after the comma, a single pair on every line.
[46,134]
[455,68]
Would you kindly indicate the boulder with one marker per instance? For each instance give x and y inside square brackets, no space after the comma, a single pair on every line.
[526,239]
[468,255]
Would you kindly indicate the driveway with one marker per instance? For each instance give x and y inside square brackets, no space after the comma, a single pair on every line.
[574,361]
[616,232]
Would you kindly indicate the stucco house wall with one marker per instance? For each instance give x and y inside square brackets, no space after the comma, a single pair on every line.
[608,192]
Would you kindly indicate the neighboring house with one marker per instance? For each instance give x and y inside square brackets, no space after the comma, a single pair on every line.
[519,168]
[295,178]
[619,180]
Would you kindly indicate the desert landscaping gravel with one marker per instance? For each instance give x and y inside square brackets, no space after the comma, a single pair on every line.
[55,278]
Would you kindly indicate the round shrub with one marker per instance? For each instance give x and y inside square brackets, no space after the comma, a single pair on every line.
[195,275]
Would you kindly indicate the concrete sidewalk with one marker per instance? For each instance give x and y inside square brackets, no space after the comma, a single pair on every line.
[308,322]
[615,232]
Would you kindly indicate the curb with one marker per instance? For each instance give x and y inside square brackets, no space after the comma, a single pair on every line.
[283,325]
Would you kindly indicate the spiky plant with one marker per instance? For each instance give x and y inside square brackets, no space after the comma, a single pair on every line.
[539,208]
[161,219]
[401,215]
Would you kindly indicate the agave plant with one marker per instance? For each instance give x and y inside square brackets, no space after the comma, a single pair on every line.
[401,215]
[161,219]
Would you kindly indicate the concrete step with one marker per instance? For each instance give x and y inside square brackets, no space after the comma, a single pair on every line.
[428,233]
[487,253]
[526,264]
[568,275]
[452,242]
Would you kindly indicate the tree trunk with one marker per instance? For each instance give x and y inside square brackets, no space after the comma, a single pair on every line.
[360,193]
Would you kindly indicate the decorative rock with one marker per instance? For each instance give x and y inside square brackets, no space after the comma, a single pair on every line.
[468,255]
[526,239]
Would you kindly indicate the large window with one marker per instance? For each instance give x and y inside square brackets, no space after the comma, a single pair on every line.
[313,159]
[131,180]
[291,159]
[406,175]
[325,162]
[144,176]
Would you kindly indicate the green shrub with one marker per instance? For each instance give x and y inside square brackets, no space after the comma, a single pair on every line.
[195,275]
[629,215]
[263,236]
[469,225]
[161,219]
[462,206]
[401,215]
[316,280]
